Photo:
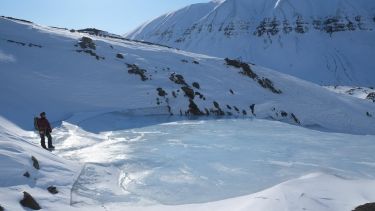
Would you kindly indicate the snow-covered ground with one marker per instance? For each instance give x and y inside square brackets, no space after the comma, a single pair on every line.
[55,71]
[127,138]
[169,163]
[359,92]
[326,42]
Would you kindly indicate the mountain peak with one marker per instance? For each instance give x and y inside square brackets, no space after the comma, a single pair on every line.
[326,42]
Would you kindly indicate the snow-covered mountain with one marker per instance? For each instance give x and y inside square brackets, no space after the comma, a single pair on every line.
[63,72]
[326,42]
[94,89]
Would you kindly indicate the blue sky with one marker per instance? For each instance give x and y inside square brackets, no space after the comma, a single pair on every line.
[116,16]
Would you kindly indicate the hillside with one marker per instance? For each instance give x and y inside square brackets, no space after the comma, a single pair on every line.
[326,42]
[139,126]
[63,73]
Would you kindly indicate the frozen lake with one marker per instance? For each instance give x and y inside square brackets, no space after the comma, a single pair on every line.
[171,161]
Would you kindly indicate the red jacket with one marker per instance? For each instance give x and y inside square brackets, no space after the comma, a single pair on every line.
[44,125]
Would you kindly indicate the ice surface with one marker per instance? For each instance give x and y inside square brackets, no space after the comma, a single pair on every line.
[190,161]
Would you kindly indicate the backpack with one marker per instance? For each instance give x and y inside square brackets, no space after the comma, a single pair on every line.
[36,127]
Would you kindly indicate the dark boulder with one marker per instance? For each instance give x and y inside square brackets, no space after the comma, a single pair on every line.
[134,69]
[29,202]
[178,79]
[188,92]
[52,190]
[366,207]
[26,174]
[161,92]
[120,56]
[86,42]
[35,162]
[193,108]
[196,85]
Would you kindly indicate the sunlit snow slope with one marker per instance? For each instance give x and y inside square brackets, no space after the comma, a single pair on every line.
[326,42]
[62,73]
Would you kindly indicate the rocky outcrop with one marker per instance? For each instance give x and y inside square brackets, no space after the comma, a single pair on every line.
[134,69]
[371,96]
[29,202]
[365,207]
[247,71]
[88,46]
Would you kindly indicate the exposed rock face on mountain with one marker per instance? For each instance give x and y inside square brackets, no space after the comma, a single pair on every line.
[326,42]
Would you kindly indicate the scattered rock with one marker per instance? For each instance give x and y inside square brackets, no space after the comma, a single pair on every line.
[216,104]
[371,96]
[52,190]
[193,108]
[252,108]
[196,85]
[29,202]
[235,108]
[177,79]
[161,92]
[230,108]
[217,111]
[17,19]
[24,44]
[295,119]
[200,95]
[72,30]
[246,70]
[91,53]
[34,45]
[134,69]
[35,162]
[231,91]
[26,174]
[267,84]
[195,62]
[244,112]
[189,92]
[365,207]
[119,55]
[86,42]
[1,208]
[184,61]
[284,114]
[368,114]
[174,94]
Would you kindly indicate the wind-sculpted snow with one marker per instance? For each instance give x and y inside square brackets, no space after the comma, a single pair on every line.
[326,42]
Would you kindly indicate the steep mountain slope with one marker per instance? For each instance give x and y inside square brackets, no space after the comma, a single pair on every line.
[326,42]
[62,73]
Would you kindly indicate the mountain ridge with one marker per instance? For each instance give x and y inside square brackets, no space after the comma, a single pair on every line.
[318,41]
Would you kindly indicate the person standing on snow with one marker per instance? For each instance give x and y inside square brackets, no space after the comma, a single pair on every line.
[45,129]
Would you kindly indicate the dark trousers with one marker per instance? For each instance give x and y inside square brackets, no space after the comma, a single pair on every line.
[43,138]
